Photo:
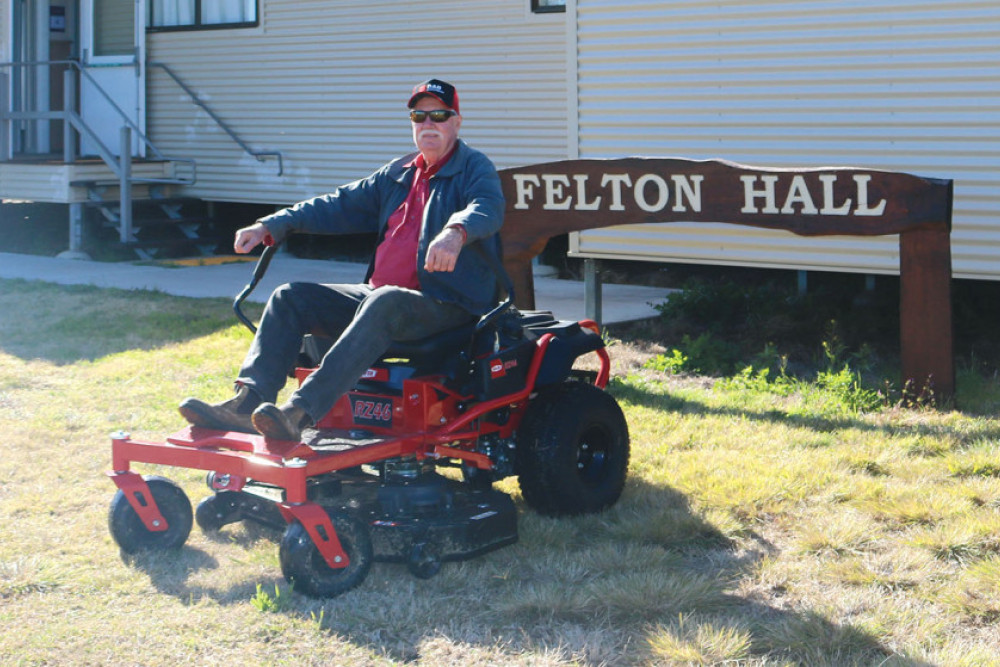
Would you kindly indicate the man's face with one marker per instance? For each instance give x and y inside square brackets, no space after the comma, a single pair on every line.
[434,140]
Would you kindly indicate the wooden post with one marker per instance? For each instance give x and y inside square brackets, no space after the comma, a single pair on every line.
[925,337]
[523,279]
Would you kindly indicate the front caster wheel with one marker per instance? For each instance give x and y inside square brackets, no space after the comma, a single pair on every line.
[214,512]
[305,568]
[133,536]
[423,562]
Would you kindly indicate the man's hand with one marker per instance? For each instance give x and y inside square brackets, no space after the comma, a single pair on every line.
[249,238]
[443,251]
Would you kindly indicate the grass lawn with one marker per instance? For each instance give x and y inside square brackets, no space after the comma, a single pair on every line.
[764,523]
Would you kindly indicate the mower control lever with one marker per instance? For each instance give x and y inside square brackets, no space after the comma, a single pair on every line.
[258,273]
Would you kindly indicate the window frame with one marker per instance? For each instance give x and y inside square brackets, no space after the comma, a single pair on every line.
[537,8]
[197,17]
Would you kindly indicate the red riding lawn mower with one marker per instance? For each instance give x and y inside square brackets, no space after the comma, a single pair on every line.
[497,398]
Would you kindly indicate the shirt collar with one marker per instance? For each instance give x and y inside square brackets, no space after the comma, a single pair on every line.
[420,163]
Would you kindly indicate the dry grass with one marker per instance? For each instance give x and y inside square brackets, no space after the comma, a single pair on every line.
[755,529]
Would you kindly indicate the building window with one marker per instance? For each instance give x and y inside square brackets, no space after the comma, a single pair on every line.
[548,6]
[114,28]
[201,14]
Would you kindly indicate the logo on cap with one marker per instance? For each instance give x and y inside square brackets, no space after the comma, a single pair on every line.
[440,89]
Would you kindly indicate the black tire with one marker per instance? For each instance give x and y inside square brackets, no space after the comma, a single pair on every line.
[572,450]
[305,568]
[423,562]
[131,534]
[214,512]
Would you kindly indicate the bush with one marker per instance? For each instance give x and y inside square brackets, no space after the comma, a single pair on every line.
[722,326]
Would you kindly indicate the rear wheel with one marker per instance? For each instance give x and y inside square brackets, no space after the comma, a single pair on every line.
[131,533]
[572,450]
[305,568]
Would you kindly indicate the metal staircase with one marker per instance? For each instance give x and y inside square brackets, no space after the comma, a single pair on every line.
[92,182]
[137,197]
[159,222]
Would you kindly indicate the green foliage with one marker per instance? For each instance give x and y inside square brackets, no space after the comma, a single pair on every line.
[722,325]
[841,388]
[845,386]
[752,379]
[976,466]
[266,603]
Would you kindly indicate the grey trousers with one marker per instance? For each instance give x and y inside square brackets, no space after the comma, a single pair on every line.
[363,322]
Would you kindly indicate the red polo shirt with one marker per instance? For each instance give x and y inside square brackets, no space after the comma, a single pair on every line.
[396,255]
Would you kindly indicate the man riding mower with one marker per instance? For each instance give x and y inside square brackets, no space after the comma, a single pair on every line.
[496,398]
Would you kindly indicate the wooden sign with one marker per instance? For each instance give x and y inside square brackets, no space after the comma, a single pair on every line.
[546,200]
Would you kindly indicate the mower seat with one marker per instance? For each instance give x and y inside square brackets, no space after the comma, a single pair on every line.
[423,354]
[432,347]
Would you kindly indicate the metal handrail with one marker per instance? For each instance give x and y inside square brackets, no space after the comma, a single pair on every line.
[259,155]
[81,127]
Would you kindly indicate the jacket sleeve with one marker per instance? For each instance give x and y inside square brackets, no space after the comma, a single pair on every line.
[482,215]
[350,209]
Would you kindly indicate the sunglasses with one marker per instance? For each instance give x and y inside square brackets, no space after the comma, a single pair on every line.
[437,115]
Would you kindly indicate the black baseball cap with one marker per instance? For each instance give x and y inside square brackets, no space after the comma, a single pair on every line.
[438,89]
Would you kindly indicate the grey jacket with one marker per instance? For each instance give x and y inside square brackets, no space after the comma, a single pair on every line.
[466,191]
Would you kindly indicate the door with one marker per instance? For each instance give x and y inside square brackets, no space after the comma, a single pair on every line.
[113,86]
[63,38]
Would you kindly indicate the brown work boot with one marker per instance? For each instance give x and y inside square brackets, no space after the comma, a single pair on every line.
[231,415]
[284,423]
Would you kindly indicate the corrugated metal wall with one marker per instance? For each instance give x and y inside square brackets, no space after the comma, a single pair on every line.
[326,83]
[905,85]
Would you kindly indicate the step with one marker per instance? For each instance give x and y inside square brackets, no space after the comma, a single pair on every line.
[109,183]
[144,221]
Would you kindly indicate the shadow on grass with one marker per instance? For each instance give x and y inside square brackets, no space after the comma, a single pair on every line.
[818,423]
[594,589]
[170,571]
[67,324]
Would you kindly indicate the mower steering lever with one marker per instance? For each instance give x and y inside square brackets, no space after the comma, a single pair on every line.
[258,272]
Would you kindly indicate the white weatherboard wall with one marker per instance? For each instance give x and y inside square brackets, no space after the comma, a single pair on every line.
[902,85]
[5,20]
[326,83]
